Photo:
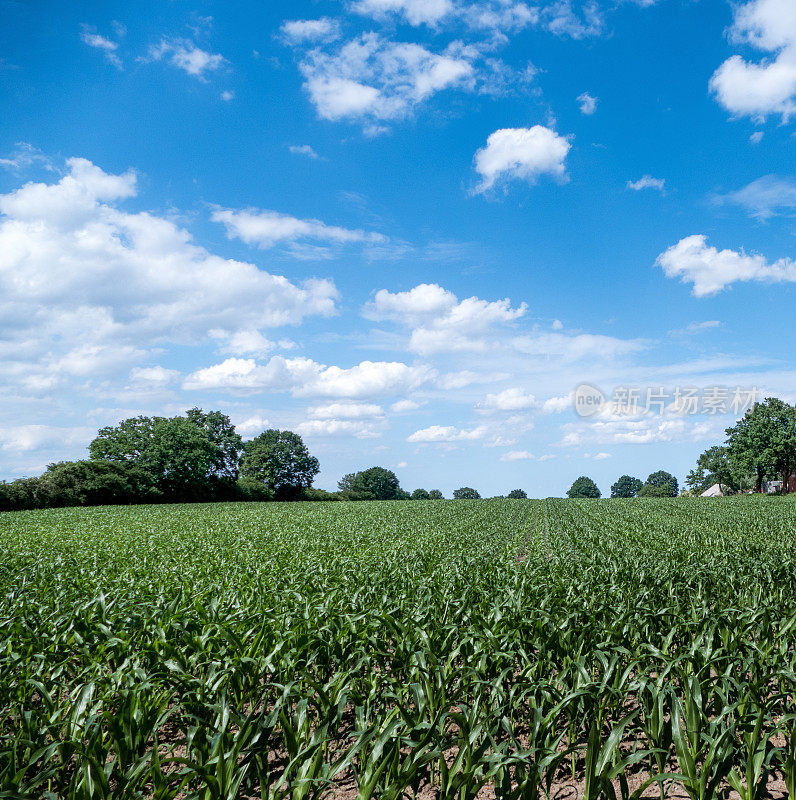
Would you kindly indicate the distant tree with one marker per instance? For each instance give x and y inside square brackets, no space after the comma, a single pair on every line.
[517,494]
[466,493]
[185,458]
[281,461]
[698,480]
[626,486]
[420,494]
[764,441]
[376,483]
[92,483]
[713,466]
[436,494]
[584,487]
[662,480]
[649,490]
[253,489]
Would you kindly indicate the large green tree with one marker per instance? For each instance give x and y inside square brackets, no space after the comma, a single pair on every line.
[281,461]
[584,487]
[375,483]
[466,493]
[713,466]
[185,458]
[663,483]
[763,441]
[626,486]
[517,494]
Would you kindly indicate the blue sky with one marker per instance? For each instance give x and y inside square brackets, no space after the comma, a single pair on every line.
[407,229]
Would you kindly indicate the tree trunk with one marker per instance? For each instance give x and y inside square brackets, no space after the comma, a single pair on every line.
[759,481]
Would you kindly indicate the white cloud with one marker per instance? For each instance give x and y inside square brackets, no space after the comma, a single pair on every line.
[601,456]
[304,377]
[375,80]
[517,455]
[242,342]
[645,430]
[712,270]
[252,426]
[764,197]
[227,95]
[346,411]
[555,405]
[415,12]
[298,31]
[403,406]
[587,103]
[185,55]
[566,348]
[440,322]
[647,182]
[153,376]
[80,279]
[521,154]
[303,150]
[338,427]
[447,433]
[25,155]
[758,89]
[26,438]
[756,137]
[512,399]
[107,46]
[269,228]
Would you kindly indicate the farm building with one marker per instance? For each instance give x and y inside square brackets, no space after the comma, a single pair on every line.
[714,491]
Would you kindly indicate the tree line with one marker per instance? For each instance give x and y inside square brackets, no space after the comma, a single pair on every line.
[658,484]
[761,446]
[198,457]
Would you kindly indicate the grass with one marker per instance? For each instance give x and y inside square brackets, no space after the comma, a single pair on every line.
[391,649]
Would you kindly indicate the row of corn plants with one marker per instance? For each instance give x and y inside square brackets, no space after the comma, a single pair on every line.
[389,650]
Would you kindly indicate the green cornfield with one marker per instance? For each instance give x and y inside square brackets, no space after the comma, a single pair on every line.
[437,649]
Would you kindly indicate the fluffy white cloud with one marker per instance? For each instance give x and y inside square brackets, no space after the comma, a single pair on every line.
[252,426]
[416,12]
[153,376]
[269,228]
[304,377]
[517,455]
[447,433]
[564,348]
[587,103]
[25,438]
[521,154]
[512,399]
[647,182]
[764,197]
[403,406]
[346,411]
[338,427]
[758,89]
[310,30]
[555,405]
[374,79]
[243,343]
[82,279]
[185,55]
[710,270]
[440,322]
[645,430]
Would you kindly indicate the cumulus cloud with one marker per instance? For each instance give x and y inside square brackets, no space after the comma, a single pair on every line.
[647,182]
[346,411]
[375,80]
[587,103]
[185,55]
[310,30]
[338,427]
[440,322]
[304,377]
[512,399]
[760,88]
[521,154]
[765,197]
[711,270]
[447,434]
[81,278]
[517,455]
[153,376]
[645,430]
[415,12]
[268,228]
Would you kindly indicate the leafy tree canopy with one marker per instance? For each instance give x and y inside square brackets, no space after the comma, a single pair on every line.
[466,493]
[376,483]
[420,494]
[517,494]
[662,480]
[584,487]
[436,494]
[281,461]
[626,486]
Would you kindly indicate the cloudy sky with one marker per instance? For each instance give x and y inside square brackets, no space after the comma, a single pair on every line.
[407,229]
